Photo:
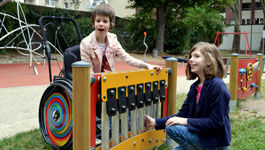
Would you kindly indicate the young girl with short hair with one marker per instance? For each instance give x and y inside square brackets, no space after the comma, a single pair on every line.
[203,120]
[100,47]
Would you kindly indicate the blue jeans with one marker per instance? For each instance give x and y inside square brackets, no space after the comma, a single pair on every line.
[186,139]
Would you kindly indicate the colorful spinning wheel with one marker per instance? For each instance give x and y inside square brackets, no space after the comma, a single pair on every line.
[55,115]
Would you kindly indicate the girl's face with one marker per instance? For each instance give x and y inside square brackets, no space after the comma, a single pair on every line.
[197,62]
[101,25]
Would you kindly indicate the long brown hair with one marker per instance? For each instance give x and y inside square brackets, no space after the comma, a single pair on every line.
[215,68]
[105,10]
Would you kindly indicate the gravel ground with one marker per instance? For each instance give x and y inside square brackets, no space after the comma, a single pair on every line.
[19,109]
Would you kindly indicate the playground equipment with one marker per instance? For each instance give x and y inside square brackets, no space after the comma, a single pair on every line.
[245,77]
[56,26]
[64,116]
[25,39]
[146,46]
[135,92]
[182,60]
[216,41]
[55,110]
[27,32]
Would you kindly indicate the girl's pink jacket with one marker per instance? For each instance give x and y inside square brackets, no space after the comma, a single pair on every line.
[91,53]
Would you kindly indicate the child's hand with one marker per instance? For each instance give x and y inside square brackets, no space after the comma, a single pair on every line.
[156,67]
[176,120]
[149,121]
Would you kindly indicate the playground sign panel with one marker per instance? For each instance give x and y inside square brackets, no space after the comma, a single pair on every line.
[247,78]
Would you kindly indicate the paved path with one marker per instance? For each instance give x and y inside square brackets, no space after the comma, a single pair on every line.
[19,109]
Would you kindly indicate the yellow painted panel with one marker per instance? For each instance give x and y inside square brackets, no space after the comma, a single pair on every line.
[144,140]
[126,78]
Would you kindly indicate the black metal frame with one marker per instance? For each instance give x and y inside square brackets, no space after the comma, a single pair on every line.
[46,45]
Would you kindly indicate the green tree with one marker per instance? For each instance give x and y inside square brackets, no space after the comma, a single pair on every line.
[163,7]
[160,7]
[202,24]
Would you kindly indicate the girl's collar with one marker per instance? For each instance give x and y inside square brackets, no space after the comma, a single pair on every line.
[108,42]
[205,83]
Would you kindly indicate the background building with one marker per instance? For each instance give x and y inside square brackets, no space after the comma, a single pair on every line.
[251,21]
[85,5]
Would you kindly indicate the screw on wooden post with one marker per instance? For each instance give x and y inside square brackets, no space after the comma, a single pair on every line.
[257,94]
[81,105]
[171,63]
[233,80]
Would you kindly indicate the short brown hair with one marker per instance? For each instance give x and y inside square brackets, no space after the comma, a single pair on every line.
[105,10]
[212,55]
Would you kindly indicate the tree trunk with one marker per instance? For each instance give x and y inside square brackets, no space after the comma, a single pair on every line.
[262,2]
[236,41]
[261,47]
[160,14]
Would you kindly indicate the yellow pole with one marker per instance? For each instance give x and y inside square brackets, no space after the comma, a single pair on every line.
[172,64]
[258,92]
[233,80]
[81,105]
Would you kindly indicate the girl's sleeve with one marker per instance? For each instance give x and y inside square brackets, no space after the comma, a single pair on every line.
[183,112]
[218,114]
[85,55]
[160,122]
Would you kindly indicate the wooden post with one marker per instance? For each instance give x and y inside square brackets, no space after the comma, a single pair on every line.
[257,94]
[171,63]
[81,105]
[233,80]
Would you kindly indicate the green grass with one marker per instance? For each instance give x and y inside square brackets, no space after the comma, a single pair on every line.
[248,132]
[31,140]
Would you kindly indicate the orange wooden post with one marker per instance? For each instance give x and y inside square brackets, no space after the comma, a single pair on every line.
[260,71]
[81,105]
[233,80]
[172,63]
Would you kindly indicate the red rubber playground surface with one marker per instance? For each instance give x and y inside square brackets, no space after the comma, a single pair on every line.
[15,75]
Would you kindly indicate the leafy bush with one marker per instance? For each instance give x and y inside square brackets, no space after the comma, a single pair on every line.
[175,35]
[202,24]
[85,26]
[138,24]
